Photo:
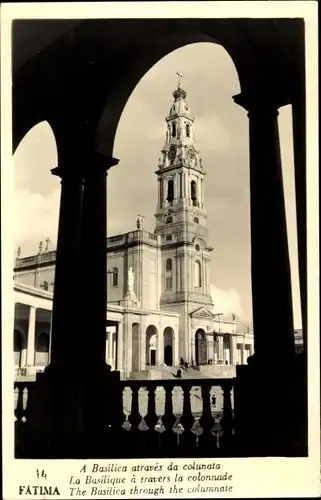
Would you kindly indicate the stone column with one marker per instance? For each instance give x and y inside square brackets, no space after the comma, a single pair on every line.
[243,354]
[233,353]
[220,347]
[65,332]
[270,266]
[142,345]
[160,347]
[31,337]
[119,348]
[110,348]
[299,145]
[94,262]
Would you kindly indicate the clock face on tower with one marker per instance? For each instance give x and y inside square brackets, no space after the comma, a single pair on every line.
[191,154]
[172,153]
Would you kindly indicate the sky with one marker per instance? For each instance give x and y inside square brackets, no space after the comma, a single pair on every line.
[221,129]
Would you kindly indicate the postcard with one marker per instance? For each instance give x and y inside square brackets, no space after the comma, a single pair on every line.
[160,331]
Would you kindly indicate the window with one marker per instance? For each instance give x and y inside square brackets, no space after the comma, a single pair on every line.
[170,190]
[168,237]
[114,276]
[196,220]
[187,130]
[168,268]
[173,129]
[169,220]
[169,265]
[198,274]
[193,192]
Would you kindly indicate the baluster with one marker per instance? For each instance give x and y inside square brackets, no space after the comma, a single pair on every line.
[20,443]
[207,440]
[16,400]
[168,438]
[151,420]
[19,402]
[227,440]
[134,419]
[25,394]
[188,438]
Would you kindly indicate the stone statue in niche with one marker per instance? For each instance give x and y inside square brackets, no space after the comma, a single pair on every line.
[130,280]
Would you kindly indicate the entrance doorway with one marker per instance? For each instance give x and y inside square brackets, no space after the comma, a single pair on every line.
[200,347]
[168,355]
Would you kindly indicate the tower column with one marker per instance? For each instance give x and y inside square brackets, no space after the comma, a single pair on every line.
[178,287]
[183,271]
[186,186]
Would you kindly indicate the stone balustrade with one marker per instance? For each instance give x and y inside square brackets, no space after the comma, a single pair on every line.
[156,418]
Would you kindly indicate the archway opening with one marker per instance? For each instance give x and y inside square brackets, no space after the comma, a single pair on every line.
[36,197]
[200,347]
[168,346]
[42,349]
[135,347]
[151,345]
[148,102]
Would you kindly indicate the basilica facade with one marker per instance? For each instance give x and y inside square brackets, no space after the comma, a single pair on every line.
[159,307]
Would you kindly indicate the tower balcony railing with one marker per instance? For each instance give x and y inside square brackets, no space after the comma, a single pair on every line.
[155,418]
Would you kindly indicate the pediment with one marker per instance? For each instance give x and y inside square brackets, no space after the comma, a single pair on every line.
[201,312]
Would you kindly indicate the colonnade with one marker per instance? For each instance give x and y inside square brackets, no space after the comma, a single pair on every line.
[28,358]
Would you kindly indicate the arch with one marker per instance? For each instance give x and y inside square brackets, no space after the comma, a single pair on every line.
[168,345]
[197,274]
[151,345]
[169,265]
[188,130]
[135,347]
[173,129]
[42,349]
[18,346]
[121,89]
[170,190]
[200,347]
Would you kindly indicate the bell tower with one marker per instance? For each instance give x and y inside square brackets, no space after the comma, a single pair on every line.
[181,218]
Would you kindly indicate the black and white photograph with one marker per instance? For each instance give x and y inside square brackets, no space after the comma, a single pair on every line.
[162,294]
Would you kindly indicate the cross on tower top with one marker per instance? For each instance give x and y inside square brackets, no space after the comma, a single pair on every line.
[179,79]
